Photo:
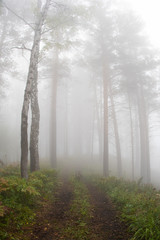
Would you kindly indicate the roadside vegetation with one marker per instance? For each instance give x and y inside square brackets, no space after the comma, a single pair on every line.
[20,199]
[138,204]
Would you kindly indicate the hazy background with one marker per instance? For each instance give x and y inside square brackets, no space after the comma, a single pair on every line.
[79,122]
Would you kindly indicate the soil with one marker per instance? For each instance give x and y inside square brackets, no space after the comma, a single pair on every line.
[105,222]
[52,219]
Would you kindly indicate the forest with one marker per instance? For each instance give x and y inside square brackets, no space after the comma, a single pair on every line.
[79,120]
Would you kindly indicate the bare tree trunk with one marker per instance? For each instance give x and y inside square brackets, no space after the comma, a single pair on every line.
[3,34]
[34,135]
[106,145]
[29,95]
[53,146]
[117,140]
[144,137]
[2,41]
[132,136]
[66,123]
[92,131]
[99,107]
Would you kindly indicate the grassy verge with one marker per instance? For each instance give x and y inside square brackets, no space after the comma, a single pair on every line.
[20,199]
[77,226]
[139,206]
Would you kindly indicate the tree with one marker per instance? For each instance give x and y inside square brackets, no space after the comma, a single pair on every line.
[136,64]
[53,139]
[31,94]
[116,132]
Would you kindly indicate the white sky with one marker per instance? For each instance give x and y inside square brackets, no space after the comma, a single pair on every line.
[149,10]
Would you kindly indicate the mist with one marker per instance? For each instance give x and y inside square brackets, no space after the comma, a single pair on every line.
[79,87]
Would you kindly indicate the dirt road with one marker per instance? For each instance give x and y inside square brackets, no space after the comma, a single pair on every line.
[104,224]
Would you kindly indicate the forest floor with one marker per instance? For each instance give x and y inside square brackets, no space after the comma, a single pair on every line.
[97,218]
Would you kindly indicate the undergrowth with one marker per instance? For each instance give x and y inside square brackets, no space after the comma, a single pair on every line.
[138,204]
[77,228]
[20,198]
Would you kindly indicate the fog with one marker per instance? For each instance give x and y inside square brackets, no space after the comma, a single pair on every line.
[93,67]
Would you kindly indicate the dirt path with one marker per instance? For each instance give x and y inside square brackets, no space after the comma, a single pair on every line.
[105,222]
[52,219]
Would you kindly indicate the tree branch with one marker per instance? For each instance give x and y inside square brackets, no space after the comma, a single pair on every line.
[9,9]
[22,48]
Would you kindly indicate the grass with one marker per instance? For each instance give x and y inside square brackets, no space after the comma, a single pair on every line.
[138,204]
[20,199]
[77,227]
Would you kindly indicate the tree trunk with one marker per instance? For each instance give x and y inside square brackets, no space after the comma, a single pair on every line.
[3,34]
[144,137]
[34,135]
[106,145]
[132,136]
[92,131]
[66,123]
[30,90]
[2,41]
[53,146]
[117,140]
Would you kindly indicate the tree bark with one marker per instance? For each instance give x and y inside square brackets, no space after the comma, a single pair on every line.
[34,135]
[3,34]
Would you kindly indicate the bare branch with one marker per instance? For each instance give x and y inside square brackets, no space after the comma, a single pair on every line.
[22,48]
[9,9]
[55,4]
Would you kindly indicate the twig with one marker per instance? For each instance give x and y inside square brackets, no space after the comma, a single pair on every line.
[22,48]
[9,9]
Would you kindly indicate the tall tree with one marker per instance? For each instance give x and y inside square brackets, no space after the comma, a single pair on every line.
[53,139]
[116,132]
[31,94]
[136,64]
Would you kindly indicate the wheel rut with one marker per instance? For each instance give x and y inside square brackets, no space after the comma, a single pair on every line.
[53,217]
[105,222]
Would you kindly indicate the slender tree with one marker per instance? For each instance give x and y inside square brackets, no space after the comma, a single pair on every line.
[31,92]
[116,132]
[53,132]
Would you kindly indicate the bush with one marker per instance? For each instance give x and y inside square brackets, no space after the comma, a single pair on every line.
[19,198]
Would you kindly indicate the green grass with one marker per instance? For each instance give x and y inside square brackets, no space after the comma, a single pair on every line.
[139,206]
[20,198]
[79,211]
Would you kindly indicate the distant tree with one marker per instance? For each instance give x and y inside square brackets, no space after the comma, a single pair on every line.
[66,22]
[120,55]
[104,56]
[136,60]
[116,132]
[53,139]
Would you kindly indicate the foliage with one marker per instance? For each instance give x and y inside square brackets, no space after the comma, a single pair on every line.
[20,198]
[139,205]
[10,170]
